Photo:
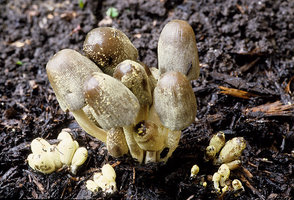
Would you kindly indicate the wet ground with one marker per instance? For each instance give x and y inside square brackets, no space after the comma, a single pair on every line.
[243,45]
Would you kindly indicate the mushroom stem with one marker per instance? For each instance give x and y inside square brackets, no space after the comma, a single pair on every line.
[89,126]
[135,151]
[150,157]
[142,114]
[173,138]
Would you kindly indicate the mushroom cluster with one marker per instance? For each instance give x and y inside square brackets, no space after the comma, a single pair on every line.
[119,100]
[227,155]
[47,158]
[104,180]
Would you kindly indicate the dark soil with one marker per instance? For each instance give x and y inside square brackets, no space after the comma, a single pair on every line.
[246,45]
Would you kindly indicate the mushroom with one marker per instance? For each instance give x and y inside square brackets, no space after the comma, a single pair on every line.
[107,47]
[231,151]
[67,148]
[67,71]
[39,145]
[215,144]
[92,186]
[43,157]
[116,142]
[113,103]
[237,185]
[41,162]
[134,77]
[194,171]
[177,49]
[114,106]
[216,178]
[137,78]
[104,180]
[224,172]
[174,101]
[79,157]
[220,177]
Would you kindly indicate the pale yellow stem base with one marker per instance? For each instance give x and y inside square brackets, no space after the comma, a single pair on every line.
[89,126]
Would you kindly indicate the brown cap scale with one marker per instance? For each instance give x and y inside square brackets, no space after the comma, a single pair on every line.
[67,71]
[114,104]
[107,47]
[174,101]
[177,49]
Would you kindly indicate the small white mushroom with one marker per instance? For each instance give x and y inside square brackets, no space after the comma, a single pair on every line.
[41,162]
[92,186]
[237,185]
[79,157]
[232,150]
[39,145]
[216,178]
[44,157]
[194,171]
[215,144]
[67,148]
[224,173]
[104,180]
[108,172]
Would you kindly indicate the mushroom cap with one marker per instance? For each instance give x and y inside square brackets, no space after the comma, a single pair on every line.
[174,101]
[177,49]
[107,47]
[134,77]
[113,103]
[67,71]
